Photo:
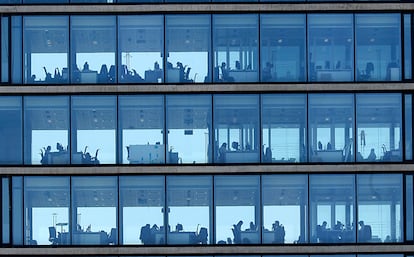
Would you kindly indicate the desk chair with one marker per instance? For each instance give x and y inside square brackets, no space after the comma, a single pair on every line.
[113,236]
[52,236]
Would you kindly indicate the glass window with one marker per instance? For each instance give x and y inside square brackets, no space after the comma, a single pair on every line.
[189,209]
[236,128]
[5,49]
[188,48]
[237,209]
[332,208]
[47,201]
[235,43]
[141,122]
[331,126]
[378,47]
[408,119]
[284,128]
[93,130]
[93,45]
[11,130]
[141,47]
[5,210]
[380,215]
[17,210]
[284,200]
[409,207]
[379,119]
[94,210]
[46,130]
[189,129]
[282,42]
[407,47]
[331,53]
[46,49]
[142,208]
[17,43]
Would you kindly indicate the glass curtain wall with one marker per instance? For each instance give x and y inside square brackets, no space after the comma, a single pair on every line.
[408,119]
[16,50]
[408,68]
[11,126]
[5,49]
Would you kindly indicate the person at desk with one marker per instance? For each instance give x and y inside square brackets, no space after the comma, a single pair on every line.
[45,154]
[372,156]
[267,72]
[279,233]
[222,153]
[85,67]
[237,232]
[364,232]
[225,73]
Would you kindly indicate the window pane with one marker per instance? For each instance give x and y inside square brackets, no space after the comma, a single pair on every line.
[331,126]
[380,215]
[235,46]
[17,43]
[407,47]
[11,130]
[17,210]
[409,196]
[189,209]
[93,129]
[236,200]
[189,129]
[284,128]
[331,53]
[188,48]
[94,210]
[408,127]
[332,205]
[142,202]
[284,199]
[47,218]
[236,131]
[46,49]
[5,210]
[93,45]
[378,47]
[46,130]
[141,48]
[379,118]
[282,41]
[5,49]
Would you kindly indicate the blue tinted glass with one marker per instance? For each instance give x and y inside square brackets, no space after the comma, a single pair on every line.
[407,47]
[235,43]
[188,48]
[10,1]
[378,47]
[284,128]
[408,127]
[140,48]
[17,210]
[282,41]
[5,212]
[236,128]
[17,43]
[330,42]
[11,130]
[45,1]
[379,125]
[409,210]
[5,49]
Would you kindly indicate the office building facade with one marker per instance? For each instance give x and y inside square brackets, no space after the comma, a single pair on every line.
[206,128]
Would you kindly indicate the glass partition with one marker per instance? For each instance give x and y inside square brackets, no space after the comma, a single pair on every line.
[378,47]
[236,128]
[285,208]
[237,209]
[235,46]
[11,127]
[46,201]
[93,46]
[331,52]
[189,209]
[379,119]
[188,48]
[380,213]
[46,49]
[93,130]
[331,126]
[141,133]
[142,201]
[46,130]
[284,128]
[332,208]
[141,47]
[189,129]
[94,210]
[282,52]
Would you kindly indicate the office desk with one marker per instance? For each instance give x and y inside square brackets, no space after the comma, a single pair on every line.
[244,76]
[153,76]
[181,237]
[173,75]
[144,154]
[268,237]
[89,77]
[58,158]
[334,75]
[249,237]
[90,238]
[242,156]
[329,156]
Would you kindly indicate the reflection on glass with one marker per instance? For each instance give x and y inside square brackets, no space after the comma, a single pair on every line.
[408,127]
[380,215]
[332,205]
[189,129]
[284,128]
[282,52]
[330,40]
[46,130]
[142,203]
[140,49]
[47,218]
[16,50]
[5,212]
[379,125]
[409,207]
[141,121]
[331,126]
[236,200]
[284,199]
[407,47]
[11,130]
[5,49]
